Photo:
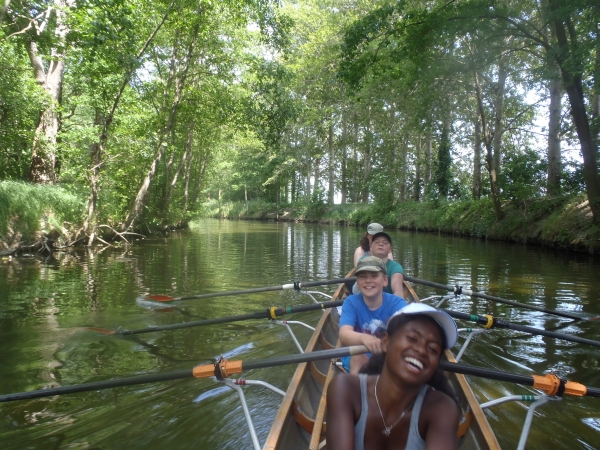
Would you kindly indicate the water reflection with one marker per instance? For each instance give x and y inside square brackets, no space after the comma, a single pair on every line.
[43,306]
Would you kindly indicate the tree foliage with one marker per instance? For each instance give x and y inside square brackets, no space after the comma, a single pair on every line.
[166,104]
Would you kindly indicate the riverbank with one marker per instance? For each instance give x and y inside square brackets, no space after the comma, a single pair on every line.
[563,222]
[37,218]
[41,218]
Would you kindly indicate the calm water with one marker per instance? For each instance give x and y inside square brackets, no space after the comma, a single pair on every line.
[43,305]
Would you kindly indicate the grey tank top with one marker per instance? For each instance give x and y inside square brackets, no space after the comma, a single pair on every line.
[414,441]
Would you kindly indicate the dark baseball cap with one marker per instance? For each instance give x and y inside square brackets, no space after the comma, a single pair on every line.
[384,234]
[370,264]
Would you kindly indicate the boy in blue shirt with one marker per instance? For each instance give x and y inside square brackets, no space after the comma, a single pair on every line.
[365,315]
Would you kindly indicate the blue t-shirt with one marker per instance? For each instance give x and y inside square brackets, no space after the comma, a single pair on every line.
[357,314]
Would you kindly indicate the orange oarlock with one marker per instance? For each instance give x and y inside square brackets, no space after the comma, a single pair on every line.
[548,383]
[552,385]
[223,367]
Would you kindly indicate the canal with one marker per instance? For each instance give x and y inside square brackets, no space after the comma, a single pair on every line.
[46,306]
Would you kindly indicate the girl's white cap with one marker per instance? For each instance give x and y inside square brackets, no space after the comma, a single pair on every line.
[442,318]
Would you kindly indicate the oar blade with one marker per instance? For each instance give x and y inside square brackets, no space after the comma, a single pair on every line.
[159,298]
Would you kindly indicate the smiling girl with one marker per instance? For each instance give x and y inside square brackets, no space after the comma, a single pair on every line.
[392,405]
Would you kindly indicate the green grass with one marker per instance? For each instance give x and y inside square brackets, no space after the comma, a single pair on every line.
[28,209]
[562,222]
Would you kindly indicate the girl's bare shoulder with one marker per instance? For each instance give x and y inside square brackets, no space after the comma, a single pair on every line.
[437,401]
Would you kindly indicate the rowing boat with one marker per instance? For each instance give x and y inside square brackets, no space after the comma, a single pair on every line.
[300,422]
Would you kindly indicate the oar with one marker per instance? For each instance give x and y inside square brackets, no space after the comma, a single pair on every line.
[461,290]
[549,383]
[225,368]
[220,369]
[489,321]
[295,285]
[271,313]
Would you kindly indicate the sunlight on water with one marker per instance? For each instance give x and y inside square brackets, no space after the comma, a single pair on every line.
[53,315]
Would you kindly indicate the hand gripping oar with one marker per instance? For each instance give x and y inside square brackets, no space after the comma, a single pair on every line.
[271,313]
[295,285]
[458,290]
[224,368]
[492,322]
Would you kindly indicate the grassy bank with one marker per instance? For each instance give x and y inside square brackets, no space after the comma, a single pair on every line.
[560,222]
[27,211]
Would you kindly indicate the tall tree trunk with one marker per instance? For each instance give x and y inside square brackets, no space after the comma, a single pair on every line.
[97,149]
[317,181]
[344,180]
[186,152]
[43,152]
[442,175]
[427,160]
[277,198]
[498,130]
[573,86]
[331,192]
[140,199]
[489,156]
[200,182]
[417,187]
[477,159]
[4,10]
[186,186]
[595,101]
[355,171]
[403,169]
[172,79]
[308,172]
[367,163]
[554,154]
[293,197]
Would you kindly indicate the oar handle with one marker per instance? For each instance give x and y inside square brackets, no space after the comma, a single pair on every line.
[492,298]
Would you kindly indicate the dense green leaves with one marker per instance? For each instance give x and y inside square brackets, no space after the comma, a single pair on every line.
[168,104]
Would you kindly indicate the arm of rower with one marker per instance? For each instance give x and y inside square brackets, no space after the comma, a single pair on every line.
[441,430]
[398,284]
[350,337]
[340,413]
[358,253]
